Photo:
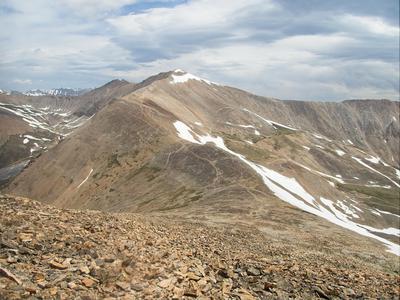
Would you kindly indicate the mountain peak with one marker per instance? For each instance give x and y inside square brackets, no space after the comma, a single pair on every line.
[115,83]
[4,92]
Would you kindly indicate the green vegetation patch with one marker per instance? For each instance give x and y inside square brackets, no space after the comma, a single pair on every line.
[252,152]
[282,142]
[380,198]
[113,161]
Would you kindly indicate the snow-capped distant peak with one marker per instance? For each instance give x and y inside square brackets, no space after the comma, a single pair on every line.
[55,92]
[35,93]
[5,92]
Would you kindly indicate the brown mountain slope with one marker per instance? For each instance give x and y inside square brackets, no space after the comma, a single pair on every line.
[184,147]
[363,122]
[30,125]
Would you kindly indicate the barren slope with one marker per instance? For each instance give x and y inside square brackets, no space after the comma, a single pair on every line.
[62,254]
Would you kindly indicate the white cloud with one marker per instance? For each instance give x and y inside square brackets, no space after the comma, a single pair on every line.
[258,45]
[187,18]
[296,72]
[23,81]
[373,25]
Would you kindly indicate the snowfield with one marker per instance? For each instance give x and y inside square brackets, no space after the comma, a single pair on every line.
[37,118]
[269,122]
[373,170]
[290,190]
[373,159]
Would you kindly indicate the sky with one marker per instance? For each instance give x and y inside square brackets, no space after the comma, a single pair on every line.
[287,49]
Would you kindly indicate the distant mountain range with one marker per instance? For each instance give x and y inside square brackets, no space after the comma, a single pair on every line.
[52,92]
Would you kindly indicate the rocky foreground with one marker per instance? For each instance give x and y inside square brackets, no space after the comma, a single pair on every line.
[66,254]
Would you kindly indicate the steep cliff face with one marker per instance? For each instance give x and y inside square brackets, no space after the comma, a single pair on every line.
[180,145]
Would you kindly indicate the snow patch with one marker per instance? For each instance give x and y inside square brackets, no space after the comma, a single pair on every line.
[320,173]
[32,137]
[84,180]
[372,169]
[386,213]
[390,230]
[307,148]
[240,125]
[385,164]
[340,152]
[269,122]
[25,141]
[379,186]
[341,219]
[185,77]
[373,159]
[184,132]
[375,212]
[349,211]
[321,137]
